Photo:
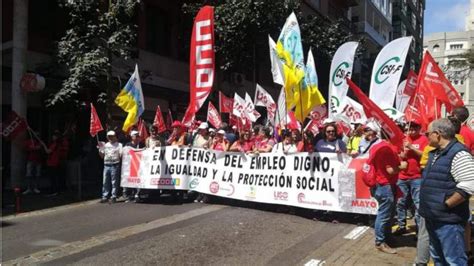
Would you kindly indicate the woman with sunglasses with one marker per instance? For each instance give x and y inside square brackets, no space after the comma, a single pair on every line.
[330,142]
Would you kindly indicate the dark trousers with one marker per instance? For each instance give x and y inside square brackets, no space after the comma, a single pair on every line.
[54,178]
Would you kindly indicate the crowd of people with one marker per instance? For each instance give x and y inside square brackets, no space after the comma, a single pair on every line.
[431,174]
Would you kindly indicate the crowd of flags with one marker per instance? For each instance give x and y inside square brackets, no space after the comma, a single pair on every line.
[419,97]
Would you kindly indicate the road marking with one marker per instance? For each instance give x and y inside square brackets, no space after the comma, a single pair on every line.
[314,262]
[80,246]
[356,232]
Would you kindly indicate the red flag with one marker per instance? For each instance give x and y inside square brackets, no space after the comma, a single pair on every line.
[293,123]
[410,87]
[159,122]
[95,126]
[142,131]
[226,104]
[432,79]
[188,117]
[213,116]
[372,110]
[201,72]
[313,126]
[169,120]
[13,126]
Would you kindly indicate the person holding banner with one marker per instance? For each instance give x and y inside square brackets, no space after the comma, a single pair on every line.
[154,140]
[201,138]
[135,144]
[264,141]
[111,152]
[244,144]
[330,142]
[306,144]
[219,143]
[287,145]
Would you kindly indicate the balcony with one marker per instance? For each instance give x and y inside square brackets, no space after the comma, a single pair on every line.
[364,27]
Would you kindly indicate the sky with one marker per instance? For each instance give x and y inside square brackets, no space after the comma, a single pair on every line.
[445,15]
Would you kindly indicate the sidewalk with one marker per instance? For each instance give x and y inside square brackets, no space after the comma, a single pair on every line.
[34,202]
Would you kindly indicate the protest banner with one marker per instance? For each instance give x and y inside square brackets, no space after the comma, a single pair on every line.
[317,181]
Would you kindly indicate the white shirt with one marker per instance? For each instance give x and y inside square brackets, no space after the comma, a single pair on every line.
[112,152]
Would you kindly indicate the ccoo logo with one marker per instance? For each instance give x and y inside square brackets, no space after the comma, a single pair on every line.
[390,67]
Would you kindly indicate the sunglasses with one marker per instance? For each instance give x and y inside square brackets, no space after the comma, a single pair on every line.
[330,131]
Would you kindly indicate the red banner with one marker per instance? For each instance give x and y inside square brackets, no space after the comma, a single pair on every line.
[95,126]
[432,80]
[225,103]
[188,117]
[13,126]
[313,126]
[213,116]
[410,87]
[372,110]
[201,65]
[159,122]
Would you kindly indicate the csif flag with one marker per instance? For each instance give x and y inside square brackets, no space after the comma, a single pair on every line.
[95,125]
[213,116]
[130,99]
[159,122]
[373,111]
[202,59]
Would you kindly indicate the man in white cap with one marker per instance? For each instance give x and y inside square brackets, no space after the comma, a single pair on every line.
[135,143]
[201,138]
[369,137]
[111,152]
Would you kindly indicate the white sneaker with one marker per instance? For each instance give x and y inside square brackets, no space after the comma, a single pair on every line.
[36,191]
[28,191]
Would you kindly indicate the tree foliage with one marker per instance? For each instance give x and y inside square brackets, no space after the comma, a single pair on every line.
[240,25]
[98,33]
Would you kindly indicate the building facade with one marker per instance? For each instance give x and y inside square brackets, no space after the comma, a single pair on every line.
[407,20]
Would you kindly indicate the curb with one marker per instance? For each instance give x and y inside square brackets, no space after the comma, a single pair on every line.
[49,210]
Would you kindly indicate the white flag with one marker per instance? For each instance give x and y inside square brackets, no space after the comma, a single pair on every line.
[341,67]
[351,111]
[250,109]
[401,99]
[387,70]
[277,67]
[281,116]
[239,107]
[263,98]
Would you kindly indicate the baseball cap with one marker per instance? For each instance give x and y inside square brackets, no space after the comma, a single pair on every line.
[328,121]
[203,125]
[372,126]
[111,133]
[221,131]
[134,133]
[212,130]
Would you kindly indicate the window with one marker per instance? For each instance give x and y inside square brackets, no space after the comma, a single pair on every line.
[436,48]
[455,46]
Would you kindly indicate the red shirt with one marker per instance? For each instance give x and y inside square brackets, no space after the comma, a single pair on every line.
[382,155]
[413,170]
[468,136]
[54,156]
[33,150]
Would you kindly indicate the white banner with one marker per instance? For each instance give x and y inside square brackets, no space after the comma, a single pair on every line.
[324,181]
[341,67]
[387,70]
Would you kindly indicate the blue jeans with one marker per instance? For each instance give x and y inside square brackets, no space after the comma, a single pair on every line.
[446,243]
[410,187]
[385,198]
[110,180]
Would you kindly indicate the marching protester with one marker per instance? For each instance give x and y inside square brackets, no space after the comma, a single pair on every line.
[135,143]
[330,142]
[53,162]
[201,138]
[244,143]
[444,195]
[287,145]
[220,143]
[33,165]
[154,140]
[111,152]
[264,140]
[410,179]
[386,164]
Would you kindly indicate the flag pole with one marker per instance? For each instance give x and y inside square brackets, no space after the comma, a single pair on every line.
[301,107]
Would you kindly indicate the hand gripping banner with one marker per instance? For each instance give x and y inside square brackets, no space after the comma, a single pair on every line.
[324,181]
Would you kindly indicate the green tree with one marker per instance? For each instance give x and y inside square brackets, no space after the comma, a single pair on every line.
[243,25]
[100,34]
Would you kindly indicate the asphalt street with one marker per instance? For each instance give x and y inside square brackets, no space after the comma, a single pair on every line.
[191,233]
